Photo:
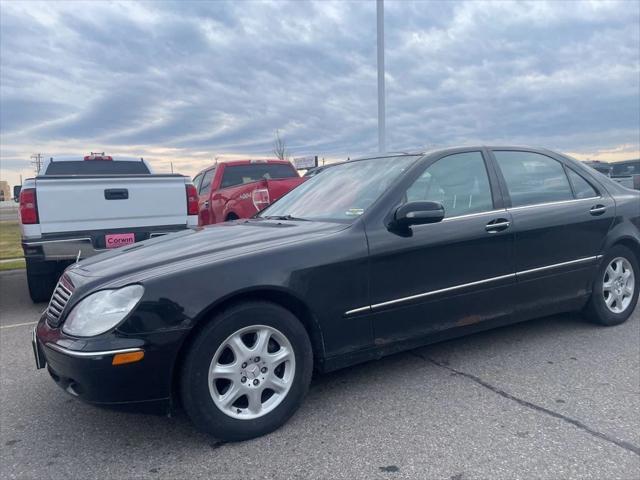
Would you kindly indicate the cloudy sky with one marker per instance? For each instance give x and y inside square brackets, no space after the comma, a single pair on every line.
[188,81]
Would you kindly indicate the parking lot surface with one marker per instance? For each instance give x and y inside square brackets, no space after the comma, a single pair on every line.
[550,398]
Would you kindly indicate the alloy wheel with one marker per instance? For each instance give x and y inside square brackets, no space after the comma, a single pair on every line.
[618,285]
[251,372]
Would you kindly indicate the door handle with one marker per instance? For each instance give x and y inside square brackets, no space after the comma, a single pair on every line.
[116,194]
[497,225]
[598,209]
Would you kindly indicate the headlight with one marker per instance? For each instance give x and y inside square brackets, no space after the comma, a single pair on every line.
[102,311]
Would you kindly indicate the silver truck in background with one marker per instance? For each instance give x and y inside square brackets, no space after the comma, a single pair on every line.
[78,207]
[626,172]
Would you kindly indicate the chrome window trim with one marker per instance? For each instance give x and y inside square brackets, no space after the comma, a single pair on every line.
[77,354]
[461,217]
[478,214]
[561,202]
[471,284]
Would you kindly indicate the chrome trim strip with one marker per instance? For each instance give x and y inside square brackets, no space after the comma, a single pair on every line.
[356,310]
[471,284]
[442,290]
[556,265]
[561,202]
[75,353]
[43,242]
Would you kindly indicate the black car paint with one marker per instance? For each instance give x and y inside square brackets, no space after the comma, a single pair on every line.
[330,274]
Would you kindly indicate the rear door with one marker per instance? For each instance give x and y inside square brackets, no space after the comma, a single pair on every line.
[455,273]
[560,220]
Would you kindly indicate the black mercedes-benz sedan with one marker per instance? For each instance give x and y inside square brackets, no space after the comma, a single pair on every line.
[370,257]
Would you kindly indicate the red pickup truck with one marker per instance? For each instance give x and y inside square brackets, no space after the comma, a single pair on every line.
[239,189]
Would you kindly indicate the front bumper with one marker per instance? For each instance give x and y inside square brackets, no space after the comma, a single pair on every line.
[83,367]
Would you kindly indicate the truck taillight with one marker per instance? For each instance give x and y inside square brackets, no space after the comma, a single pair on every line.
[192,200]
[28,206]
[260,198]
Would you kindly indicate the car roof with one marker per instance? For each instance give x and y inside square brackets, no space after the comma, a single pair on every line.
[446,150]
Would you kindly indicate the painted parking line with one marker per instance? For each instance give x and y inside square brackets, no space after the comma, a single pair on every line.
[17,325]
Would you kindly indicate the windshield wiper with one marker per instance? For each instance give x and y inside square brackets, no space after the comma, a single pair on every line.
[285,217]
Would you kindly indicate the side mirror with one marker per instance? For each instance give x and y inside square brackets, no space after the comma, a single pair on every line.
[16,192]
[417,213]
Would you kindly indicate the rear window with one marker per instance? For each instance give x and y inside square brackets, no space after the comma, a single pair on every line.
[96,167]
[239,174]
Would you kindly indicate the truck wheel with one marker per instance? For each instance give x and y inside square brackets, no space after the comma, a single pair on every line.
[231,217]
[615,288]
[42,277]
[247,371]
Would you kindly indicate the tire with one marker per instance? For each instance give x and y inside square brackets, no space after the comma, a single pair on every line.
[231,217]
[214,350]
[621,309]
[42,277]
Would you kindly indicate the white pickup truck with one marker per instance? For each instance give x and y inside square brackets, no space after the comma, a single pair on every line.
[78,207]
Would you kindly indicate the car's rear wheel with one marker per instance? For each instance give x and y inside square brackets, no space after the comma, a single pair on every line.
[247,371]
[615,289]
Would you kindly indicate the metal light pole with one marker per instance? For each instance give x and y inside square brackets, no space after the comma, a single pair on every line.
[382,143]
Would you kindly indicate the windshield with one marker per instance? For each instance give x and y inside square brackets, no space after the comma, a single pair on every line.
[342,193]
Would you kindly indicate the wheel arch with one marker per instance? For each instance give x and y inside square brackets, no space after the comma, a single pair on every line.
[279,296]
[631,243]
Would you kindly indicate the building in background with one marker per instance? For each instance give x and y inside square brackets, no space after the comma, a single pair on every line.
[5,192]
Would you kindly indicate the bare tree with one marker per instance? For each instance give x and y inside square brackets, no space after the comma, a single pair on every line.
[280,147]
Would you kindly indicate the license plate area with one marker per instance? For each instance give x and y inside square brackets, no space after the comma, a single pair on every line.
[116,240]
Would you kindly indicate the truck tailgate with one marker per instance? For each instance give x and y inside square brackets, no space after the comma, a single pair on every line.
[83,203]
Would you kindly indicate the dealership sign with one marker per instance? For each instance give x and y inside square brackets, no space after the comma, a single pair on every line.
[304,163]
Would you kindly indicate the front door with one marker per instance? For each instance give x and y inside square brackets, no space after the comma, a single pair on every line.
[204,202]
[454,273]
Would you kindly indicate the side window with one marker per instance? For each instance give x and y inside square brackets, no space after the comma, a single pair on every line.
[196,181]
[459,182]
[533,178]
[206,181]
[581,187]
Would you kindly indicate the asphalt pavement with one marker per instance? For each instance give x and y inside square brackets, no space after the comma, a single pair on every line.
[549,399]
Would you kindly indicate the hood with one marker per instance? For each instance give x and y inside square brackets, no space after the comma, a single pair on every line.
[201,245]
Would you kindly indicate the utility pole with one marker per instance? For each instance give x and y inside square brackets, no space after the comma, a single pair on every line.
[36,161]
[382,143]
[171,167]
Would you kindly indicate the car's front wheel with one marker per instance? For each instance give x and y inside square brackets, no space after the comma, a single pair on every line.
[247,371]
[615,289]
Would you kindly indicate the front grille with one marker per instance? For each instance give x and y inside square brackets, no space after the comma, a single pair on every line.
[58,301]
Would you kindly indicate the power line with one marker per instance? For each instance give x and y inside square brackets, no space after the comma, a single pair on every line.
[36,162]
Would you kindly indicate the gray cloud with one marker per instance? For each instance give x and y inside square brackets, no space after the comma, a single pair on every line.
[221,77]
